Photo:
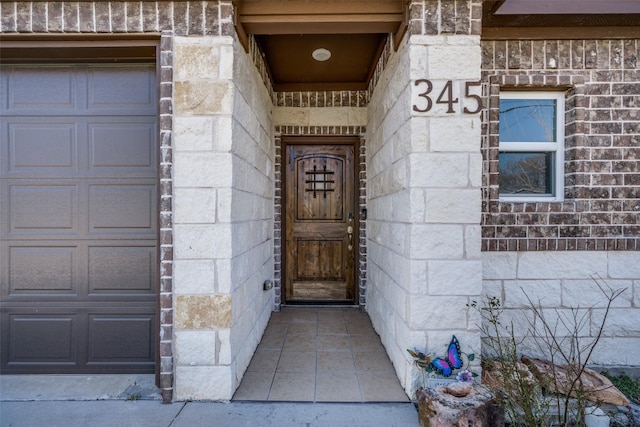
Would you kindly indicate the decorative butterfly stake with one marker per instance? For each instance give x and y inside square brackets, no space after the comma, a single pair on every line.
[444,366]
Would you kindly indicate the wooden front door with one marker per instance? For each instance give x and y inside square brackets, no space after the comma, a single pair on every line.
[320,223]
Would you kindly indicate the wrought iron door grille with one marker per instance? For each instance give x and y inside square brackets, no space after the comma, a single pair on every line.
[320,181]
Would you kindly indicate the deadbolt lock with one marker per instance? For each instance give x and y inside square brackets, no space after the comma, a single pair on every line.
[350,236]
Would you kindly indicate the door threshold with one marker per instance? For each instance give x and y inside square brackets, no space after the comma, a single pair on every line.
[316,304]
[319,303]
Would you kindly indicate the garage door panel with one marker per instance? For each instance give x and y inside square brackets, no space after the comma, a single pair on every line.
[36,146]
[46,209]
[124,90]
[116,146]
[121,338]
[4,92]
[122,270]
[42,270]
[49,338]
[78,219]
[41,89]
[122,209]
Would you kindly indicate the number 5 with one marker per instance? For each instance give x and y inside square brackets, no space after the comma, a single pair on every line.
[478,98]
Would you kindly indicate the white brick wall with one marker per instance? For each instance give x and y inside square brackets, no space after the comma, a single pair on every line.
[203,382]
[464,131]
[559,281]
[440,170]
[223,200]
[319,116]
[251,214]
[424,176]
[195,348]
[390,203]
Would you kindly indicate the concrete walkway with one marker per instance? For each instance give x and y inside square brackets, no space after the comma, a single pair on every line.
[143,413]
[133,401]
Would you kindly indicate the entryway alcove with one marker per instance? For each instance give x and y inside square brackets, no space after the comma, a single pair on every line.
[320,354]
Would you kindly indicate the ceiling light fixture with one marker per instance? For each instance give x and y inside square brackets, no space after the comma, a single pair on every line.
[321,54]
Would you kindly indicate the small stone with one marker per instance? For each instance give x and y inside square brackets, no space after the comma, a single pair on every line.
[493,372]
[459,389]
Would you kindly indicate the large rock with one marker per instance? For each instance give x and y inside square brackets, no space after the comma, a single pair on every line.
[595,387]
[439,407]
[493,374]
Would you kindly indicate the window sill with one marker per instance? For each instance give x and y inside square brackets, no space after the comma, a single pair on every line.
[530,199]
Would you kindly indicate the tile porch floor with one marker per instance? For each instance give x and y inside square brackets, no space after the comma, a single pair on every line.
[320,354]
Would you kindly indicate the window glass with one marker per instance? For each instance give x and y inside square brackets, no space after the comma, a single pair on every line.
[528,120]
[531,137]
[525,173]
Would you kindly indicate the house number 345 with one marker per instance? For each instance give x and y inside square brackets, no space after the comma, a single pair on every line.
[445,96]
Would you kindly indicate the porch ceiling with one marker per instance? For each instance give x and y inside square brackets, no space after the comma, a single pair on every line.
[288,31]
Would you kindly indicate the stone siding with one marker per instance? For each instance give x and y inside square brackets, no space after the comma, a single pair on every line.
[389,267]
[560,281]
[601,203]
[203,230]
[251,213]
[424,223]
[223,191]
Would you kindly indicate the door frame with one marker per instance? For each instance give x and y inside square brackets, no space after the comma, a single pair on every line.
[321,140]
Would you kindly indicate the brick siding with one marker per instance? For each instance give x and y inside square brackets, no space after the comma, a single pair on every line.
[428,17]
[601,207]
[166,218]
[181,18]
[321,99]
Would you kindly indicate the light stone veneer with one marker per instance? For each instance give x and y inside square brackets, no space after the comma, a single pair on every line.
[320,116]
[560,281]
[223,223]
[423,191]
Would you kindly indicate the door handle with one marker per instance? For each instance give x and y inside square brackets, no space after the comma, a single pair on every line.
[350,232]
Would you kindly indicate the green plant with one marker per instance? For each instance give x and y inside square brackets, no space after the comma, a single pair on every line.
[563,341]
[628,386]
[560,337]
[134,397]
[515,391]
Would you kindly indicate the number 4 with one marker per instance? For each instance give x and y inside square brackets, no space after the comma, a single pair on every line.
[448,88]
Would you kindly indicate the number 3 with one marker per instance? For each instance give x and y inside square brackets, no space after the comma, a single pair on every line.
[424,95]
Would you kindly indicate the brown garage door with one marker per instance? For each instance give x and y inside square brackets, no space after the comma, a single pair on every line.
[78,221]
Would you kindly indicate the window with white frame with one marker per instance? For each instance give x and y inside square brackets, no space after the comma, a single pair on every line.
[531,158]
